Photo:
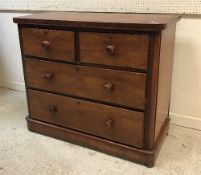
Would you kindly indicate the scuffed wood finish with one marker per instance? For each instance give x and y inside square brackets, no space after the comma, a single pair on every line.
[142,156]
[108,49]
[100,80]
[117,124]
[152,90]
[126,89]
[49,44]
[165,78]
[150,22]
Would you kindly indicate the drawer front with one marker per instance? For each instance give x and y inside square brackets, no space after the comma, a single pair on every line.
[104,121]
[49,44]
[118,87]
[122,50]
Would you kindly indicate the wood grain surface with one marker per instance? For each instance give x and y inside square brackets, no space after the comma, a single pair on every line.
[49,44]
[117,124]
[118,87]
[122,50]
[100,20]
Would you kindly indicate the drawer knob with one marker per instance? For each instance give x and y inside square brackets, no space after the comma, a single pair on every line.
[45,44]
[109,86]
[110,49]
[52,109]
[49,76]
[109,123]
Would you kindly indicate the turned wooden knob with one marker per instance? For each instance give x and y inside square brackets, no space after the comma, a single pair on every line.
[110,49]
[109,86]
[52,109]
[45,44]
[49,76]
[109,123]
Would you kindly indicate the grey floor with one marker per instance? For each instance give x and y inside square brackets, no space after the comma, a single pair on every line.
[26,153]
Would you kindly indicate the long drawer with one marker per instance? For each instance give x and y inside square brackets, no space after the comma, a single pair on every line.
[113,123]
[117,87]
[122,50]
[49,44]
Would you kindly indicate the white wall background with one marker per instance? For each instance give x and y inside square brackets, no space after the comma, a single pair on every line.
[11,74]
[186,86]
[137,6]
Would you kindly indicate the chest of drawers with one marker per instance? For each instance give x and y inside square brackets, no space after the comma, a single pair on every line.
[100,80]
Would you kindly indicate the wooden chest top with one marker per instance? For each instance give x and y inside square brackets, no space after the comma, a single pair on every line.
[101,20]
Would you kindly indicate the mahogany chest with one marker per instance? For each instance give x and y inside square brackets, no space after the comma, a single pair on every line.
[100,80]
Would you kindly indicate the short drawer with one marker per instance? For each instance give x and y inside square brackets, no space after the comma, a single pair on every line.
[49,44]
[117,87]
[121,50]
[104,121]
